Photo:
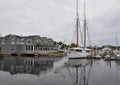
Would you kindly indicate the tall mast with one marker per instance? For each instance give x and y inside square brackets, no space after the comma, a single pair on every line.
[84,26]
[77,22]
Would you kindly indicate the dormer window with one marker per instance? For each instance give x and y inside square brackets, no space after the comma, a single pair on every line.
[12,41]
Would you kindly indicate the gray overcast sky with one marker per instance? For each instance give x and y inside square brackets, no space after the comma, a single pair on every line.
[56,19]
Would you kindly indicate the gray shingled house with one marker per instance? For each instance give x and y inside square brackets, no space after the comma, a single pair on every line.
[25,44]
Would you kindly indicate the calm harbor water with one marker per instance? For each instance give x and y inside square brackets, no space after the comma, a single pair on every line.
[58,71]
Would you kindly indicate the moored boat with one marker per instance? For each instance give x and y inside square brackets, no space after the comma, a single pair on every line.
[80,52]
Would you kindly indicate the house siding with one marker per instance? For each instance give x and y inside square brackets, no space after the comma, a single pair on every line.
[23,44]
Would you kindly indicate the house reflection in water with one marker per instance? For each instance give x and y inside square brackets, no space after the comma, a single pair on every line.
[25,65]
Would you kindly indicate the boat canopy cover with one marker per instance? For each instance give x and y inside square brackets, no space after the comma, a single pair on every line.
[79,48]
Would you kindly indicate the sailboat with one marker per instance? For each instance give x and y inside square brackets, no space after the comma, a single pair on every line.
[117,52]
[80,52]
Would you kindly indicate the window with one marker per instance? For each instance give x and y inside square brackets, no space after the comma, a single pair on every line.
[29,42]
[77,50]
[26,48]
[18,41]
[3,41]
[31,48]
[21,41]
[12,41]
[37,41]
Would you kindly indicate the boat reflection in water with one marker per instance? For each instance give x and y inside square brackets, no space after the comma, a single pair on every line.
[89,72]
[78,70]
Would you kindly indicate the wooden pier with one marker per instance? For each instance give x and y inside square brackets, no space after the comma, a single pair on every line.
[47,54]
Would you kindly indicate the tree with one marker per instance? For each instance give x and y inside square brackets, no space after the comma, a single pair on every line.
[73,45]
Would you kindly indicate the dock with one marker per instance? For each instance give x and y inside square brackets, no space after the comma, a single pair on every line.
[36,54]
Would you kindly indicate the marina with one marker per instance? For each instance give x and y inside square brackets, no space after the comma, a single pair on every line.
[59,42]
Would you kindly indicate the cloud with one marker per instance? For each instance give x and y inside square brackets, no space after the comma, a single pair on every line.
[56,18]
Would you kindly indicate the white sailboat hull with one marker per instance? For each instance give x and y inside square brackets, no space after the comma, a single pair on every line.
[78,55]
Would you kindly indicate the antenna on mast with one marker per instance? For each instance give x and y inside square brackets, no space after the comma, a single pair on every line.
[77,6]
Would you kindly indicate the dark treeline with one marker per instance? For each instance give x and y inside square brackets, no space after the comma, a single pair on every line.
[65,46]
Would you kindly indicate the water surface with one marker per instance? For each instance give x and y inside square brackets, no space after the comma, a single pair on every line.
[58,71]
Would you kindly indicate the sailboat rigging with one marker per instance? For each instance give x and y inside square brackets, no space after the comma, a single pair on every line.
[80,52]
[84,27]
[77,22]
[117,52]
